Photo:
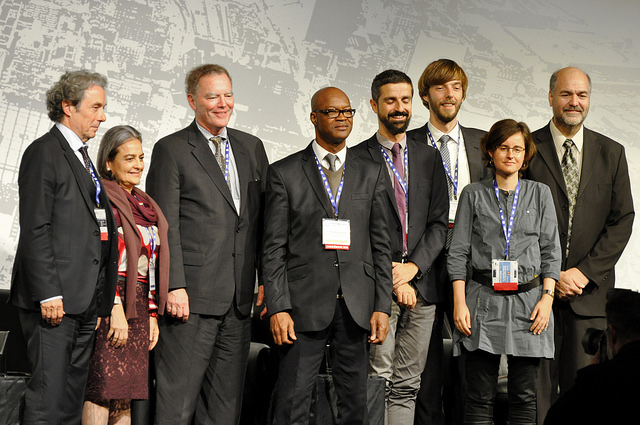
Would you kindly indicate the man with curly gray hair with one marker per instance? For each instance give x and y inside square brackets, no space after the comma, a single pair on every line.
[65,267]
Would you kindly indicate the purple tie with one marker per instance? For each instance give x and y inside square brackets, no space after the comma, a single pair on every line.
[400,197]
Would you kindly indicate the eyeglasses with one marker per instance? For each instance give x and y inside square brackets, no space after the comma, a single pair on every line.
[517,150]
[335,113]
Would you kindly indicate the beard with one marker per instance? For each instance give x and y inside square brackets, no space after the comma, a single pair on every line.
[445,116]
[571,121]
[395,127]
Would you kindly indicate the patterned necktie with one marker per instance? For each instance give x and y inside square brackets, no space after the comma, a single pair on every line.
[444,151]
[331,158]
[401,200]
[86,159]
[217,141]
[571,179]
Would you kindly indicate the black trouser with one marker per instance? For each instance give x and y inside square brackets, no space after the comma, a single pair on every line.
[482,380]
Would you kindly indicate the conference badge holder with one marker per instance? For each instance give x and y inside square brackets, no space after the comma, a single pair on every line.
[101,216]
[504,275]
[336,234]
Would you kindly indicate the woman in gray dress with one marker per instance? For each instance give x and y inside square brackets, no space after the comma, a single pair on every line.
[504,261]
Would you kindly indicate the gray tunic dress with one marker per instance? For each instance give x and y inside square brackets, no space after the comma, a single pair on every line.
[500,323]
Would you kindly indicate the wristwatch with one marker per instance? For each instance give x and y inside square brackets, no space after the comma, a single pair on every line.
[548,291]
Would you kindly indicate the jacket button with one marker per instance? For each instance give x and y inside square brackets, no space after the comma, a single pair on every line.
[96,261]
[96,233]
[336,264]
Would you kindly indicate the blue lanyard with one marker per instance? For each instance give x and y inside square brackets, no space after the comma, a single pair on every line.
[96,181]
[454,179]
[507,231]
[336,200]
[402,182]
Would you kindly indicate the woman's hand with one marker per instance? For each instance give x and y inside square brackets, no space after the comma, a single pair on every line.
[118,327]
[154,332]
[541,314]
[461,314]
[462,318]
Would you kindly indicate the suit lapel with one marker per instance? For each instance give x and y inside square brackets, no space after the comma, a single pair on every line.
[310,169]
[589,158]
[474,157]
[374,150]
[548,154]
[204,156]
[243,166]
[83,179]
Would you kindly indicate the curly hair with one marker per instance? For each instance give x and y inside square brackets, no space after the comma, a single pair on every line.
[71,87]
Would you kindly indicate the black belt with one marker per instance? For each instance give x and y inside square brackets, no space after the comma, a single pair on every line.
[486,280]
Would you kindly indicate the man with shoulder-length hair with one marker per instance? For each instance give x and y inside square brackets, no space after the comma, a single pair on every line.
[64,275]
[209,180]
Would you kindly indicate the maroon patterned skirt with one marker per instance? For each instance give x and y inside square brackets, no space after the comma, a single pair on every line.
[122,373]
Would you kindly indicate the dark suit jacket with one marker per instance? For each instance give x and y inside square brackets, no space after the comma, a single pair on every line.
[603,214]
[59,251]
[213,248]
[428,209]
[300,276]
[477,172]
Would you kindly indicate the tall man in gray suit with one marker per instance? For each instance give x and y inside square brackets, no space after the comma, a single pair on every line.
[442,88]
[208,180]
[327,264]
[417,210]
[589,180]
[64,275]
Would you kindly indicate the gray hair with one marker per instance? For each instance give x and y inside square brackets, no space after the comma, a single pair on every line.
[71,87]
[111,141]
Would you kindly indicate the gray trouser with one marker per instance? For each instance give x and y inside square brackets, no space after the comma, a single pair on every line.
[402,357]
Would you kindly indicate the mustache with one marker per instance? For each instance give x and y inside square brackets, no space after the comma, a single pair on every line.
[574,109]
[399,114]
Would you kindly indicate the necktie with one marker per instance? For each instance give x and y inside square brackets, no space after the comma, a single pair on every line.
[331,158]
[217,141]
[86,159]
[571,179]
[399,193]
[444,151]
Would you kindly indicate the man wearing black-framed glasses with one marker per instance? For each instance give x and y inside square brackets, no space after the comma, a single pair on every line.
[326,264]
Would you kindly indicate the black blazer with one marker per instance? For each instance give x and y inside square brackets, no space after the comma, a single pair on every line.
[214,248]
[477,172]
[428,209]
[300,276]
[603,214]
[59,250]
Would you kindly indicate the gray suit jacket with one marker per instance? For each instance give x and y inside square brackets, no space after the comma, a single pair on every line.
[603,215]
[300,276]
[214,248]
[428,209]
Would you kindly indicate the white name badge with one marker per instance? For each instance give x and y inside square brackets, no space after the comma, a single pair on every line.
[101,216]
[336,234]
[504,275]
[152,275]
[453,208]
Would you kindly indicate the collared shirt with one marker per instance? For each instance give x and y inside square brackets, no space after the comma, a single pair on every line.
[455,154]
[559,138]
[74,141]
[234,182]
[388,145]
[322,152]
